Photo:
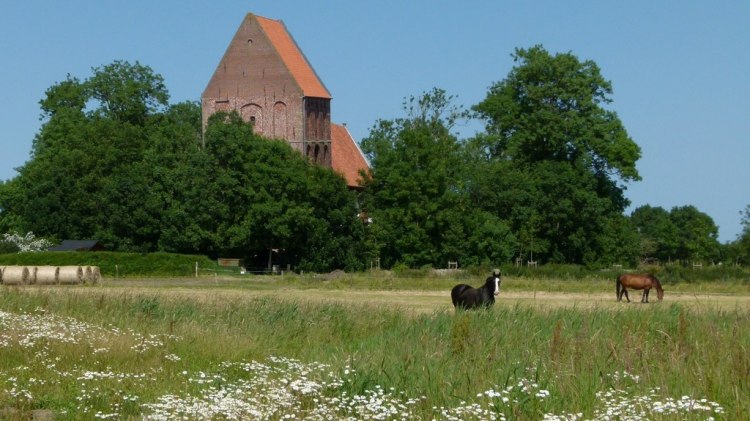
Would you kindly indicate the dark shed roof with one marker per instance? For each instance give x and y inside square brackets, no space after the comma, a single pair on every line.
[78,245]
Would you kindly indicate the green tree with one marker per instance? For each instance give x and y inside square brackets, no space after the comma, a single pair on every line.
[10,220]
[336,239]
[273,205]
[127,93]
[178,171]
[113,161]
[551,108]
[740,248]
[86,178]
[619,242]
[416,194]
[659,235]
[550,139]
[698,234]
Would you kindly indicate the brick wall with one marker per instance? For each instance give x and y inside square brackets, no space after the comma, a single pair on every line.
[252,80]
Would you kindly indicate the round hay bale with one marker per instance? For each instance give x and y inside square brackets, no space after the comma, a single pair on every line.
[70,275]
[15,275]
[93,275]
[1,274]
[46,275]
[32,274]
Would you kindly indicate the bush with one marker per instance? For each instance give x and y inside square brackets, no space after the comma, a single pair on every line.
[116,264]
[8,247]
[26,243]
[674,273]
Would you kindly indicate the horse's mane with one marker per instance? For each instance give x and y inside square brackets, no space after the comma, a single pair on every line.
[655,280]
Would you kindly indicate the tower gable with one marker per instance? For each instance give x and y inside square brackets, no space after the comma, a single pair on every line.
[264,76]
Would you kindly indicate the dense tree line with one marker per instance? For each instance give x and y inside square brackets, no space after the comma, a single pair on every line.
[739,250]
[545,181]
[417,192]
[115,162]
[683,233]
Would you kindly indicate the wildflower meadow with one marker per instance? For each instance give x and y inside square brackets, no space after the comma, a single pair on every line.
[99,353]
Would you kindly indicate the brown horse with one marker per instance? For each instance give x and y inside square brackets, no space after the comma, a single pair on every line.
[644,282]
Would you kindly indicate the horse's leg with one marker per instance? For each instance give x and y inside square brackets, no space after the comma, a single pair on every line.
[618,292]
[644,299]
[625,291]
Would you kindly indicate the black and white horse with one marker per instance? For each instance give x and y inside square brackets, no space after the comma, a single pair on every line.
[466,297]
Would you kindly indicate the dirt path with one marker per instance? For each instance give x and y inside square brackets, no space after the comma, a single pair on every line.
[428,301]
[419,301]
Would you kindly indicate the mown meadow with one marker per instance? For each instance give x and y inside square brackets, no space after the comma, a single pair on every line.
[114,352]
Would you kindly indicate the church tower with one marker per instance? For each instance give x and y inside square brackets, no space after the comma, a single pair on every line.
[266,78]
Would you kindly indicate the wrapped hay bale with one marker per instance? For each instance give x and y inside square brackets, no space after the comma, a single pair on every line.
[15,275]
[70,275]
[92,275]
[46,275]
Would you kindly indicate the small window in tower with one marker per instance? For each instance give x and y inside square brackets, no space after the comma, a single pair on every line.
[249,43]
[252,120]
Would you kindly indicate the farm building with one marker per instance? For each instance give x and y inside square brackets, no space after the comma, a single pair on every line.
[266,78]
[78,245]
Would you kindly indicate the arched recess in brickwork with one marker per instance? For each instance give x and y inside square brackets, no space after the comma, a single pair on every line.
[326,160]
[253,113]
[317,154]
[279,121]
[311,153]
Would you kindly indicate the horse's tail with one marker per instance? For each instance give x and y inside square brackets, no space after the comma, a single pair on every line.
[618,286]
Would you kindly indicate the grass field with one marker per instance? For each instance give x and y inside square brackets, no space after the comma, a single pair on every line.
[359,347]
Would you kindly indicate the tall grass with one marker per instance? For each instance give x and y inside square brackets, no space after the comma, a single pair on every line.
[87,354]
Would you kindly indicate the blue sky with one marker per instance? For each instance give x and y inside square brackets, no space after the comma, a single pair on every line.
[680,69]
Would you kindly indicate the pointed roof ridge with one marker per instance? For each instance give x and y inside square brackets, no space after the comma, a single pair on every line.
[293,57]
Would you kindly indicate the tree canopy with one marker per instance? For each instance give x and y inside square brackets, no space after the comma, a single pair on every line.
[684,233]
[545,181]
[741,247]
[659,236]
[416,194]
[553,159]
[551,108]
[114,161]
[266,198]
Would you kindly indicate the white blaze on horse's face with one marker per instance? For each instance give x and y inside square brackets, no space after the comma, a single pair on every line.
[497,285]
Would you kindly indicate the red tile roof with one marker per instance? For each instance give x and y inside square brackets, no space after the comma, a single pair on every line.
[346,157]
[293,58]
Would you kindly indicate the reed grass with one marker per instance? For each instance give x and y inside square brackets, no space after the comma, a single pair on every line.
[87,355]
